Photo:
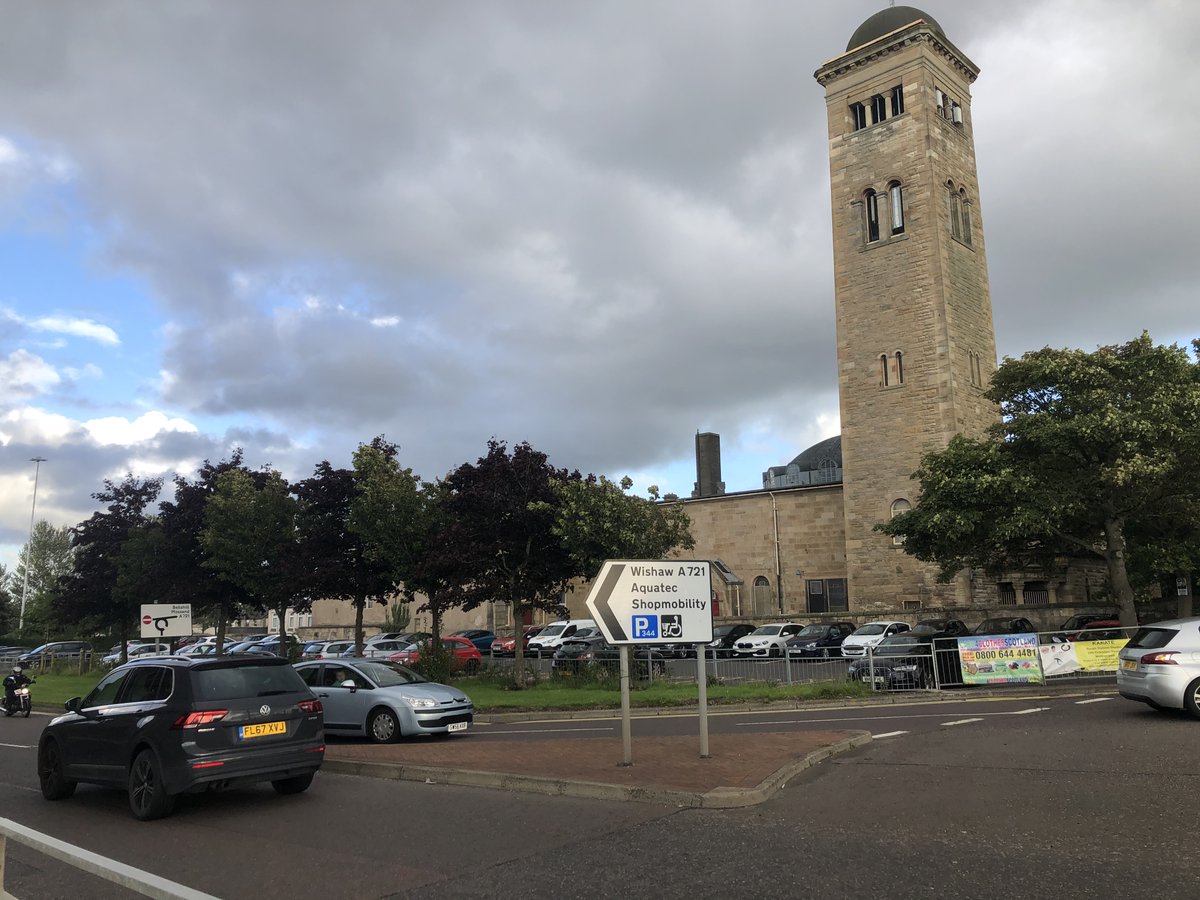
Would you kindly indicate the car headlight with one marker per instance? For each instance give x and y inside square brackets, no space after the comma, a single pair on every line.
[420,702]
[812,646]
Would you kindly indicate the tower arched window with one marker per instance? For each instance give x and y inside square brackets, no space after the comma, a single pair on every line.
[878,108]
[899,367]
[871,202]
[953,211]
[896,204]
[883,370]
[898,507]
[965,206]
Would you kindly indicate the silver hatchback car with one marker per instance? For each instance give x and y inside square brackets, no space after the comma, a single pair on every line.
[1161,666]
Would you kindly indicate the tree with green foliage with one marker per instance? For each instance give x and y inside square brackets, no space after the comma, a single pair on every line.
[1096,457]
[597,519]
[340,560]
[48,555]
[252,540]
[499,521]
[8,615]
[90,597]
[214,600]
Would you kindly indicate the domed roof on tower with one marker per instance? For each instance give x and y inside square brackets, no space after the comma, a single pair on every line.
[828,451]
[886,21]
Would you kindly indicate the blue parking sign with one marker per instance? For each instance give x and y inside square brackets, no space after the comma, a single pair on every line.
[645,627]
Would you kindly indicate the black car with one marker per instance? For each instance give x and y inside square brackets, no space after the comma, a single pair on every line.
[575,654]
[168,725]
[819,641]
[56,651]
[908,660]
[1007,625]
[725,636]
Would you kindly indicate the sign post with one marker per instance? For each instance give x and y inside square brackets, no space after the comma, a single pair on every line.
[166,620]
[638,602]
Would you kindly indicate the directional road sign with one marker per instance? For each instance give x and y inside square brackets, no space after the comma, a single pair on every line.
[164,620]
[637,601]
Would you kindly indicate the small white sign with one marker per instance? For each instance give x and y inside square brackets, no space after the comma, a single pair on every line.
[653,601]
[166,620]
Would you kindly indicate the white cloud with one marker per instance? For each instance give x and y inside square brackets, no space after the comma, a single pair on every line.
[23,374]
[85,328]
[35,427]
[126,432]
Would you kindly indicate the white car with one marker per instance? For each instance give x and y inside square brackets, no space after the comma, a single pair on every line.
[870,635]
[1160,666]
[767,640]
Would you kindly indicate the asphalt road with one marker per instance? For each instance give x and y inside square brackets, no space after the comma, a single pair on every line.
[1076,797]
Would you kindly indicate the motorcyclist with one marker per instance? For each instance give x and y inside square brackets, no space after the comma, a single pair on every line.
[17,679]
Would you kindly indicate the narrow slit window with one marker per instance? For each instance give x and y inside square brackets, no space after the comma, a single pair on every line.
[858,113]
[896,202]
[897,100]
[878,108]
[899,367]
[955,228]
[872,205]
[883,370]
[966,216]
[941,103]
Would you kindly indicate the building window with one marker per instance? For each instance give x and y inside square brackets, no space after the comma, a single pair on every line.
[878,108]
[872,207]
[835,591]
[897,100]
[899,367]
[858,113]
[953,211]
[883,370]
[1005,594]
[941,101]
[764,601]
[896,203]
[898,507]
[891,369]
[1035,593]
[965,208]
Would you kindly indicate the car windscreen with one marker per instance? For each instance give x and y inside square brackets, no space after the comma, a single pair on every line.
[867,630]
[812,631]
[902,642]
[552,631]
[389,674]
[238,682]
[1151,638]
[765,630]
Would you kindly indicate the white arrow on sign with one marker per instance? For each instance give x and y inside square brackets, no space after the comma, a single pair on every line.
[653,601]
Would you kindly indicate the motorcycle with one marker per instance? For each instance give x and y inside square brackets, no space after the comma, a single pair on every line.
[20,704]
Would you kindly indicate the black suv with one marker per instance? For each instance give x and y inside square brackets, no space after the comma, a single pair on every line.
[819,641]
[55,651]
[171,725]
[725,636]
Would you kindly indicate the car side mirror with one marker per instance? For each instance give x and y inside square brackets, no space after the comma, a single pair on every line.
[349,683]
[73,704]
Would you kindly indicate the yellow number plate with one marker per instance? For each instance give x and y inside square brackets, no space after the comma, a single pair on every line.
[1129,664]
[263,728]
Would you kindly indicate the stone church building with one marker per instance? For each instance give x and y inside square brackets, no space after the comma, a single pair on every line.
[915,350]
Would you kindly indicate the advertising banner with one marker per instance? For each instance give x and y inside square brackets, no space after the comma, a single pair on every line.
[999,659]
[1058,659]
[1099,656]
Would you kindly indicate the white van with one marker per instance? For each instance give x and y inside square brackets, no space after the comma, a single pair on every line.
[552,636]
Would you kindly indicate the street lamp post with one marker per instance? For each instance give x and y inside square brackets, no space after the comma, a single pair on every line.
[37,466]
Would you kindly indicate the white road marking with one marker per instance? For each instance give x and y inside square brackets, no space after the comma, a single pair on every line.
[551,730]
[1093,700]
[888,734]
[962,722]
[21,787]
[874,718]
[1025,712]
[18,746]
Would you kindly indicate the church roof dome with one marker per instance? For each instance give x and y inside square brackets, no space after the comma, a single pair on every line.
[886,21]
[827,451]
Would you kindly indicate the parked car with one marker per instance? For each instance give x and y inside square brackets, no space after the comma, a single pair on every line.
[767,640]
[725,636]
[378,649]
[198,650]
[136,651]
[1079,621]
[384,700]
[640,658]
[480,637]
[819,640]
[312,649]
[394,636]
[575,653]
[1006,625]
[55,651]
[170,725]
[870,635]
[1160,666]
[549,638]
[467,658]
[505,646]
[335,648]
[1100,630]
[900,661]
[10,654]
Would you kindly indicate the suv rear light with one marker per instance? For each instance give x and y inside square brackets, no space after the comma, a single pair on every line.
[312,707]
[1164,658]
[196,719]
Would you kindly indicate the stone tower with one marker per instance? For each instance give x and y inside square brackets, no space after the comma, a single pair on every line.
[915,342]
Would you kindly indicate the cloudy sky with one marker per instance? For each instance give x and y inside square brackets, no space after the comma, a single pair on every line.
[599,228]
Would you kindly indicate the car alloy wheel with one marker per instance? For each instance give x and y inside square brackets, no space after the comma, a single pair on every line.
[1191,699]
[383,727]
[148,797]
[55,784]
